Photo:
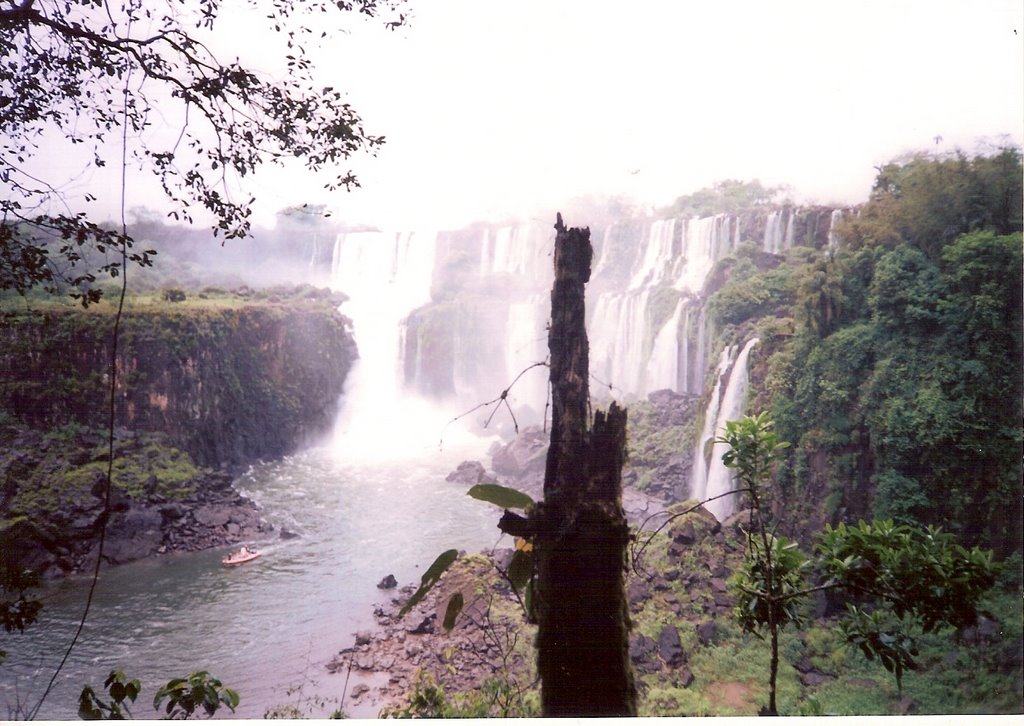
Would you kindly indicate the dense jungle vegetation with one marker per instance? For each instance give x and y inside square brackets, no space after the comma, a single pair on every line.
[893,362]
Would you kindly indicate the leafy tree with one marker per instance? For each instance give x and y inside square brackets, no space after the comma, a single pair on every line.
[900,577]
[92,708]
[726,196]
[185,696]
[86,73]
[19,608]
[929,200]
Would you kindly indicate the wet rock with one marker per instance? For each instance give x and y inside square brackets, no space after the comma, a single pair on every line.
[706,632]
[425,626]
[468,472]
[670,648]
[745,520]
[133,535]
[671,408]
[363,637]
[905,706]
[212,516]
[287,534]
[723,601]
[685,534]
[526,452]
[388,583]
[813,678]
[638,593]
[643,652]
[660,584]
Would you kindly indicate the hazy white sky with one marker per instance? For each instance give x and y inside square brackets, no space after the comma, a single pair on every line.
[492,108]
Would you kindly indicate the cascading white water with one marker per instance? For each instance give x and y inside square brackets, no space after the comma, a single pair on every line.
[694,340]
[516,250]
[720,479]
[625,351]
[699,473]
[527,343]
[657,257]
[617,331]
[778,238]
[663,367]
[835,218]
[386,275]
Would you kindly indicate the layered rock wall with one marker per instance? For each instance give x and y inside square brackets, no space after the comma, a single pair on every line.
[228,385]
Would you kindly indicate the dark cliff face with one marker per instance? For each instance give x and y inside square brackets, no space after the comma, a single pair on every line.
[218,384]
[226,384]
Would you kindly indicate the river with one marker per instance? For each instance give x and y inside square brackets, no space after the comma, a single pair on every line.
[267,628]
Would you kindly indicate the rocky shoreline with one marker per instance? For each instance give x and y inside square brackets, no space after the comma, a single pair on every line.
[676,599]
[52,492]
[490,649]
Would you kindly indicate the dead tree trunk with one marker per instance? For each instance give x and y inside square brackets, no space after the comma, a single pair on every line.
[580,529]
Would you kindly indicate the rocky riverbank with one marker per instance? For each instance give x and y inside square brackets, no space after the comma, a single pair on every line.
[677,596]
[205,378]
[52,491]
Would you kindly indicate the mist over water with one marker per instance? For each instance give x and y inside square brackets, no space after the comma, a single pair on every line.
[386,275]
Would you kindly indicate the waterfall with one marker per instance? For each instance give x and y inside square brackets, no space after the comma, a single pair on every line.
[833,237]
[386,275]
[646,320]
[657,258]
[777,237]
[699,474]
[526,343]
[624,349]
[705,241]
[517,250]
[695,338]
[720,478]
[663,367]
[618,328]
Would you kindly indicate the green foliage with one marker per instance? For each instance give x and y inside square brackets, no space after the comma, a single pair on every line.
[495,698]
[878,633]
[430,578]
[753,449]
[726,196]
[120,690]
[901,389]
[68,71]
[899,498]
[19,608]
[781,573]
[184,697]
[910,576]
[452,611]
[922,573]
[750,294]
[196,690]
[505,497]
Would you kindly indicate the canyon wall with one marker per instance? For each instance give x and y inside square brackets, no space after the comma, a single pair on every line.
[226,383]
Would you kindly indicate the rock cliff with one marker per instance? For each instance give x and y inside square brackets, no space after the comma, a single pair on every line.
[227,381]
[204,387]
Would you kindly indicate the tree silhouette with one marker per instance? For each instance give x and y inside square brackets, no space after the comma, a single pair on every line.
[80,74]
